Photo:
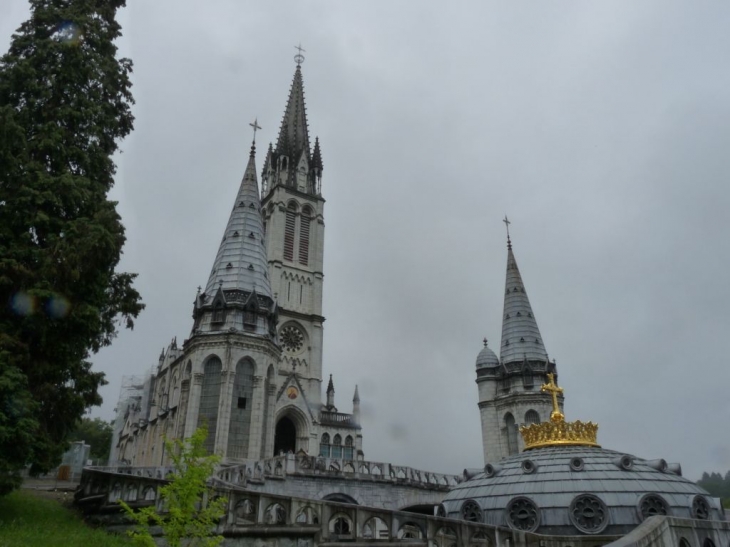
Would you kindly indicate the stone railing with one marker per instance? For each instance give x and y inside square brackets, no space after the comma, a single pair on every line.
[335,418]
[281,466]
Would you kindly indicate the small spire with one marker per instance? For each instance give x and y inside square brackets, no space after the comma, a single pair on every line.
[485,341]
[317,155]
[330,386]
[356,397]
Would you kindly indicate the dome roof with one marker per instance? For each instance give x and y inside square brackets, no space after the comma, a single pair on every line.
[487,358]
[574,490]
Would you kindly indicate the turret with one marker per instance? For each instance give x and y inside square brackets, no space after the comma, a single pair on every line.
[356,407]
[331,396]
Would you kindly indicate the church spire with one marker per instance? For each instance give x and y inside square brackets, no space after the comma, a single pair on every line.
[521,337]
[241,260]
[294,133]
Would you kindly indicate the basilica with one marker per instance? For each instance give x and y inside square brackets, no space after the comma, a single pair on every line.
[293,467]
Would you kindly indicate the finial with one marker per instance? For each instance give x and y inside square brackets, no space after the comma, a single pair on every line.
[199,289]
[299,58]
[485,341]
[507,223]
[255,126]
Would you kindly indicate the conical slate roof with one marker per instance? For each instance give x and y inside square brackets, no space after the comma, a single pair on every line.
[294,132]
[520,335]
[241,260]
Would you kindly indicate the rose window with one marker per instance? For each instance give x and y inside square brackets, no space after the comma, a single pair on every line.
[291,338]
[652,505]
[700,508]
[588,514]
[523,514]
[471,511]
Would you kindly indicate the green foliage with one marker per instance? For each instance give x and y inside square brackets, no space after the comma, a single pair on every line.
[717,485]
[186,519]
[30,521]
[97,434]
[64,104]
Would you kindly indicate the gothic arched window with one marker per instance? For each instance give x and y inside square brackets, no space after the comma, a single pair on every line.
[289,231]
[511,433]
[324,445]
[304,235]
[218,313]
[532,417]
[348,452]
[337,446]
[209,396]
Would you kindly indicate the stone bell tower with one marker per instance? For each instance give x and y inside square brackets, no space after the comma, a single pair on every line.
[509,386]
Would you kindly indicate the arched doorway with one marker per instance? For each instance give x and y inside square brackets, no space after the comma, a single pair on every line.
[285,437]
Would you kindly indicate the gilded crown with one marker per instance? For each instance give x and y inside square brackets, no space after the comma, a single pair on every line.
[558,432]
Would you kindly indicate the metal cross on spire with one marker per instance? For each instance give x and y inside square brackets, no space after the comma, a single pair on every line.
[507,223]
[299,58]
[255,126]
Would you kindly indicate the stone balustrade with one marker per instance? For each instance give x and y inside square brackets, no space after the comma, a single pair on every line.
[285,465]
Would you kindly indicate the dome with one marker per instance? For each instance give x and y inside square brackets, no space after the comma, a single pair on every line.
[487,358]
[575,490]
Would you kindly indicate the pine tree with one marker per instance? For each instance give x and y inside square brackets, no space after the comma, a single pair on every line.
[64,105]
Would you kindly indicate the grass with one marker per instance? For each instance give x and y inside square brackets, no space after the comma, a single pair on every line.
[28,520]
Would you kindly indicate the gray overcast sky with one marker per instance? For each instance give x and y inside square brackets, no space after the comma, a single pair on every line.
[601,128]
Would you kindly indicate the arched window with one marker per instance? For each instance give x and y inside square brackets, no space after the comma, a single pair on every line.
[527,379]
[532,417]
[218,313]
[289,231]
[511,433]
[175,390]
[348,453]
[324,445]
[304,235]
[337,447]
[239,428]
[209,397]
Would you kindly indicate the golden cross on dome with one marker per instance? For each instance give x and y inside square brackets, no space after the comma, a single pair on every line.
[552,388]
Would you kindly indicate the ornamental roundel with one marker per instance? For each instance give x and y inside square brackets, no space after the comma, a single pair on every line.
[523,514]
[589,514]
[291,338]
[651,505]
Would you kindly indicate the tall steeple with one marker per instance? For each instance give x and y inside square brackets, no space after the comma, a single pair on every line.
[291,162]
[521,339]
[294,133]
[241,262]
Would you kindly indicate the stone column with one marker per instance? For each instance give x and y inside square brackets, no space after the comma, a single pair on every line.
[256,426]
[224,412]
[191,420]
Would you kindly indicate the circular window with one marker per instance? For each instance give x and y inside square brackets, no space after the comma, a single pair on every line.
[471,511]
[651,505]
[576,464]
[700,508]
[529,467]
[589,514]
[291,338]
[523,514]
[490,470]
